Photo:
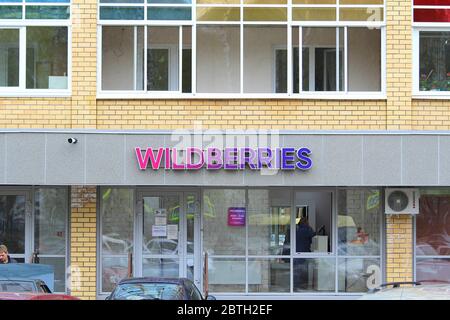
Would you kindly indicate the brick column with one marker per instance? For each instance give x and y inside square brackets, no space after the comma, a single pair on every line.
[399,64]
[83,230]
[399,248]
[84,64]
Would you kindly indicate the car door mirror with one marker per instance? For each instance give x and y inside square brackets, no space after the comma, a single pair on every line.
[210,297]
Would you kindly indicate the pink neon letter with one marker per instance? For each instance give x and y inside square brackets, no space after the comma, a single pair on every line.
[189,155]
[175,164]
[142,162]
[149,155]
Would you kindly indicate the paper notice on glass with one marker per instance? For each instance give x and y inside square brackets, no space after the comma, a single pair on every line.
[160,219]
[172,231]
[159,231]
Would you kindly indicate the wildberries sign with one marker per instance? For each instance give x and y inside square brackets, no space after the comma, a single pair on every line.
[228,159]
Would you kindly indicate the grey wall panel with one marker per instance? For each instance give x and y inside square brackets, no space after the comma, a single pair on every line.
[135,176]
[313,176]
[263,177]
[105,162]
[420,160]
[382,160]
[338,160]
[224,178]
[444,160]
[25,158]
[2,158]
[342,160]
[65,161]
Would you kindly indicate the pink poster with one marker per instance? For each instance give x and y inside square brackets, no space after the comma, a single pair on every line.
[236,217]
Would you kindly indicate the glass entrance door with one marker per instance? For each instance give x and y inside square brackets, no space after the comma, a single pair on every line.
[167,222]
[14,220]
[161,235]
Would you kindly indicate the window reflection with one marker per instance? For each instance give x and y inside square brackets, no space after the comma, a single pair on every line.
[359,218]
[314,274]
[433,226]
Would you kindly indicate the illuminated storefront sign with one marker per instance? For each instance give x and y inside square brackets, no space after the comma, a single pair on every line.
[229,158]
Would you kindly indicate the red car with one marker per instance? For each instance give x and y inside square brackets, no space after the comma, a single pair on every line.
[35,296]
[29,289]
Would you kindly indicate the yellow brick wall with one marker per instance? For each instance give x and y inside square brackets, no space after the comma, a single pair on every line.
[431,114]
[242,114]
[84,64]
[399,248]
[83,231]
[398,64]
[78,110]
[38,113]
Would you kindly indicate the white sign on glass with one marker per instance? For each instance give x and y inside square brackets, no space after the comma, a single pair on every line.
[172,231]
[160,218]
[159,231]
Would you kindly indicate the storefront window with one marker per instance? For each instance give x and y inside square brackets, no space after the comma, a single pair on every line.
[117,217]
[433,226]
[222,235]
[50,231]
[433,270]
[313,265]
[314,274]
[268,225]
[269,275]
[359,235]
[12,222]
[358,274]
[228,275]
[432,236]
[358,222]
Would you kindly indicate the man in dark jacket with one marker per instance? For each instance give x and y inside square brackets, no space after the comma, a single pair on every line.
[4,256]
[304,235]
[303,240]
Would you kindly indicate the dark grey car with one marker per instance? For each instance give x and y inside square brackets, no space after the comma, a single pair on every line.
[153,288]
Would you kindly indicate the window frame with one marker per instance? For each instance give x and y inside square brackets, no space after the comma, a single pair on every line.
[288,23]
[22,25]
[417,29]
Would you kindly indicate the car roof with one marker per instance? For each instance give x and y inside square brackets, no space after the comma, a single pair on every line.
[36,281]
[421,292]
[154,280]
[35,296]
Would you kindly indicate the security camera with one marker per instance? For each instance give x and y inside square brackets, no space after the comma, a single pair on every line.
[72,140]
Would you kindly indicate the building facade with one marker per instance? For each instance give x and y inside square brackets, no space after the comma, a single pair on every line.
[156,132]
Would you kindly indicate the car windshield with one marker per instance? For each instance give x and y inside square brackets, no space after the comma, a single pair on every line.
[16,286]
[149,291]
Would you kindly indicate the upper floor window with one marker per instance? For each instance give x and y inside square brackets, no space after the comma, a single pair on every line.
[431,47]
[34,42]
[247,48]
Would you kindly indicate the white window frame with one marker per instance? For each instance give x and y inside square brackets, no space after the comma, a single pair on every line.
[416,93]
[289,24]
[173,62]
[22,25]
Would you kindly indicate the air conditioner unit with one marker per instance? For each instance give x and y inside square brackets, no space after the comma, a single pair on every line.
[401,201]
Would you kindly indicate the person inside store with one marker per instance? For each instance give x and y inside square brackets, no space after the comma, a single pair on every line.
[303,240]
[4,256]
